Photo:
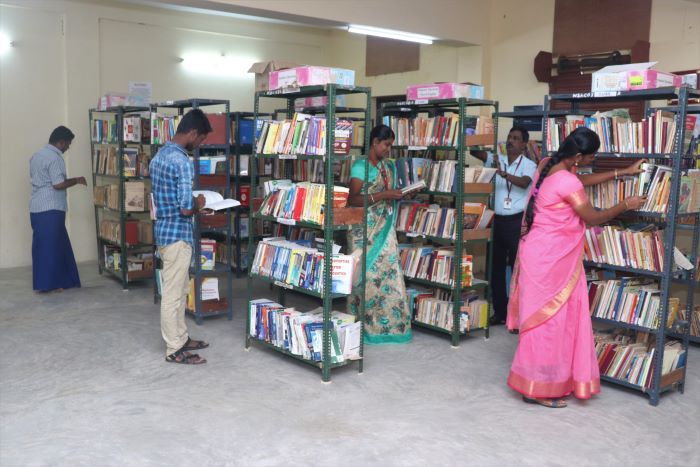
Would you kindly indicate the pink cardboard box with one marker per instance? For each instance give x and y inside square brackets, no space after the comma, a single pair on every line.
[310,76]
[631,77]
[444,91]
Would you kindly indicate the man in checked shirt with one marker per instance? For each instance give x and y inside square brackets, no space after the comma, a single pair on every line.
[171,179]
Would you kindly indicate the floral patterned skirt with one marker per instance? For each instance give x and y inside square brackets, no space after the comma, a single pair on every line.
[387,317]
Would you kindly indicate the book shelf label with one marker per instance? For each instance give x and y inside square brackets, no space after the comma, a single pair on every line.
[417,148]
[287,156]
[420,101]
[284,221]
[283,285]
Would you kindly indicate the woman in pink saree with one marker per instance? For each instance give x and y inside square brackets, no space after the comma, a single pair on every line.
[549,298]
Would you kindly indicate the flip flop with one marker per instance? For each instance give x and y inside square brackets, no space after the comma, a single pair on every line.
[549,403]
[185,358]
[194,345]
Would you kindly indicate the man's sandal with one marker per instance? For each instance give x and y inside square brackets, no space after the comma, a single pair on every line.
[550,403]
[185,358]
[194,345]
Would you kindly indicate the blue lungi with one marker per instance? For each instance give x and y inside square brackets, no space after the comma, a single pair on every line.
[53,263]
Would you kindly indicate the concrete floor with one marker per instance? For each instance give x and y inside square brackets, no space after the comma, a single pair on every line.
[83,382]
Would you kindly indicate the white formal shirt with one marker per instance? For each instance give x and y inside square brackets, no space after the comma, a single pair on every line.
[521,167]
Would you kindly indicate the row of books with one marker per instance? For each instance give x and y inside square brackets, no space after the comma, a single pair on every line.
[622,358]
[436,309]
[631,301]
[300,201]
[104,131]
[640,249]
[655,183]
[433,264]
[416,218]
[137,231]
[308,170]
[435,131]
[303,134]
[163,127]
[298,264]
[301,333]
[112,258]
[135,195]
[618,133]
[137,130]
[106,161]
[694,319]
[438,175]
[221,253]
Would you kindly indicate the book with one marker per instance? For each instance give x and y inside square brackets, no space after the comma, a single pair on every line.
[434,264]
[215,201]
[413,187]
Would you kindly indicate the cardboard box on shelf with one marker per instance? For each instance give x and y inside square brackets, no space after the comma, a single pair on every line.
[310,76]
[631,77]
[262,72]
[444,91]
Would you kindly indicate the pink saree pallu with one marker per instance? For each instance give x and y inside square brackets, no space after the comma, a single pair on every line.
[549,299]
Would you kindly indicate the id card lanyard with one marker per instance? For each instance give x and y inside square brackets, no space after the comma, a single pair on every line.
[508,201]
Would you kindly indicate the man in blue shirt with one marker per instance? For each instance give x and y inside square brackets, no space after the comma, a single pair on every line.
[53,263]
[171,179]
[513,178]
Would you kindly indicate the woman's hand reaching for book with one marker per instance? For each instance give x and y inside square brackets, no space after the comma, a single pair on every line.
[635,202]
[633,169]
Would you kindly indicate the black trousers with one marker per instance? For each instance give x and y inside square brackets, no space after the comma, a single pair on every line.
[506,236]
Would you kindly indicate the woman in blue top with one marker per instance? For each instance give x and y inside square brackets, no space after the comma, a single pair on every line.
[387,318]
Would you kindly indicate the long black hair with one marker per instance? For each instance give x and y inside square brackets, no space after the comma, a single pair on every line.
[580,141]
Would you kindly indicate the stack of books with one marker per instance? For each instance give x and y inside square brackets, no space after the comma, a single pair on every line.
[621,358]
[298,264]
[297,202]
[435,265]
[618,133]
[436,310]
[104,131]
[301,333]
[163,128]
[631,301]
[434,131]
[639,249]
[304,134]
[422,219]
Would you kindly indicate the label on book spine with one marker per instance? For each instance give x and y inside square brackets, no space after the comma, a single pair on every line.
[285,221]
[283,284]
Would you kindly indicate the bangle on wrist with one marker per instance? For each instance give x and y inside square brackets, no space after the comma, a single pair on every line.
[627,206]
[615,174]
[371,198]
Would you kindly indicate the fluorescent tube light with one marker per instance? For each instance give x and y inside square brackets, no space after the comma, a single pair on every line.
[390,34]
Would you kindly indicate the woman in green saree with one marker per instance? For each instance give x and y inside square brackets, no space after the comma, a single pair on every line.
[387,317]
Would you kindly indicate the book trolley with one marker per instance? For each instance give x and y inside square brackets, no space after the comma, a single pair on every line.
[333,223]
[217,226]
[109,153]
[669,220]
[462,193]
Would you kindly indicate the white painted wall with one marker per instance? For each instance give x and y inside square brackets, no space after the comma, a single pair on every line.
[55,73]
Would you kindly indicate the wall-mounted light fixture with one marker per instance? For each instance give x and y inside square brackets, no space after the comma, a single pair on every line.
[5,43]
[216,64]
[391,34]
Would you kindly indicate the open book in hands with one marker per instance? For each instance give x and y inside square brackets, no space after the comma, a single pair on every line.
[215,201]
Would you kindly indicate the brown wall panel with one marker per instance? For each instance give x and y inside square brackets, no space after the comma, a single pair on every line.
[386,56]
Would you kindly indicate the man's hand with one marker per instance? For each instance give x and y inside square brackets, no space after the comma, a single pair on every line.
[80,181]
[502,173]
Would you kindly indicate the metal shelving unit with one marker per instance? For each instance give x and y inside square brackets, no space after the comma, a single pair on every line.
[224,269]
[439,107]
[328,228]
[675,379]
[116,115]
